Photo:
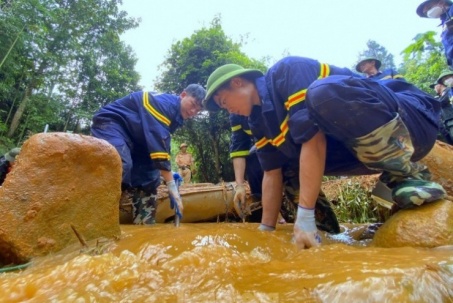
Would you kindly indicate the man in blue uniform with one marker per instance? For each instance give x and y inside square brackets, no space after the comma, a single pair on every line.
[335,123]
[370,67]
[443,10]
[139,126]
[444,90]
[246,164]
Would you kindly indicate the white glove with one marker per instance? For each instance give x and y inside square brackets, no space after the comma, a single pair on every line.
[305,231]
[264,227]
[239,201]
[174,193]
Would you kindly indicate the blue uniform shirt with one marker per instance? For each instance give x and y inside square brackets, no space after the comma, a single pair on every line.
[282,91]
[148,120]
[241,136]
[447,34]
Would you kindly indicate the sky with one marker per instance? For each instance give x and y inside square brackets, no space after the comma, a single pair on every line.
[331,31]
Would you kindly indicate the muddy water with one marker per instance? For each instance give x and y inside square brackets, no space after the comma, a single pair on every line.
[233,263]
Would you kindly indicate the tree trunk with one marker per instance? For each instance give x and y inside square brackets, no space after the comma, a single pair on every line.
[19,112]
[21,137]
[217,160]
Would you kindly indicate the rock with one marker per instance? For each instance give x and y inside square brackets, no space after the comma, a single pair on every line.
[429,225]
[440,163]
[58,180]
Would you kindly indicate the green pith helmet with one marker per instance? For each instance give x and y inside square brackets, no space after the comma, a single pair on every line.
[11,155]
[443,75]
[219,77]
[377,63]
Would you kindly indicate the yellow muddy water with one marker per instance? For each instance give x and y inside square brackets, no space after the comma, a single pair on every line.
[233,262]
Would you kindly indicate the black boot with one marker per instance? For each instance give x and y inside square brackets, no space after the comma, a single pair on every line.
[325,217]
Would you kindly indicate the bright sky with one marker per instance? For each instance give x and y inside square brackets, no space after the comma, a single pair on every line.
[331,31]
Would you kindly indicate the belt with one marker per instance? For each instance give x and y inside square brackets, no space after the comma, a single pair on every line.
[185,166]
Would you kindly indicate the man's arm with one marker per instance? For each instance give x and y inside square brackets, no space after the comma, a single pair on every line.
[312,163]
[271,198]
[239,165]
[178,160]
[192,160]
[167,175]
[172,189]
[311,169]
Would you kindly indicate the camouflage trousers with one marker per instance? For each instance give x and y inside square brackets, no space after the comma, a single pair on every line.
[389,149]
[144,208]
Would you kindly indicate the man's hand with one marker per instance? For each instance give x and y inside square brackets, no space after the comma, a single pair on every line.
[239,201]
[305,231]
[175,196]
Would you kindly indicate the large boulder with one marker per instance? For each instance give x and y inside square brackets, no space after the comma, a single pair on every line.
[440,163]
[429,225]
[59,180]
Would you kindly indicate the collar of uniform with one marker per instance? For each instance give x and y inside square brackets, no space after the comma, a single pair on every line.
[178,117]
[176,120]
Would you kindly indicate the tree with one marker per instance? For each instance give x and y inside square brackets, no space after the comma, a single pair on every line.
[192,60]
[424,61]
[69,54]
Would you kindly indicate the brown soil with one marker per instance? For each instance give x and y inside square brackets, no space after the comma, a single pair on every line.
[332,187]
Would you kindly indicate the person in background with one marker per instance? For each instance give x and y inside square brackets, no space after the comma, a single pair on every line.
[443,88]
[185,163]
[370,67]
[7,162]
[440,9]
[336,123]
[139,126]
[438,88]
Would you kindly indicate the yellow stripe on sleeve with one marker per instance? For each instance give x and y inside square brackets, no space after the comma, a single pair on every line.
[241,153]
[153,111]
[236,127]
[262,142]
[325,71]
[295,98]
[160,156]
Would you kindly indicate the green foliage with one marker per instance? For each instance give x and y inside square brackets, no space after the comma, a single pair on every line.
[192,60]
[355,205]
[66,52]
[424,61]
